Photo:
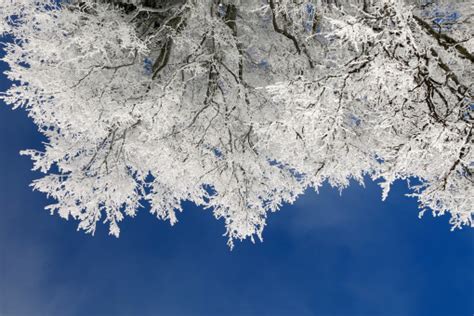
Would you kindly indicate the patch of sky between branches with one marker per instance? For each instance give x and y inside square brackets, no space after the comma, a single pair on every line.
[442,17]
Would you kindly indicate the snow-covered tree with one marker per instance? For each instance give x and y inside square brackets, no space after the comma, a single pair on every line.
[240,106]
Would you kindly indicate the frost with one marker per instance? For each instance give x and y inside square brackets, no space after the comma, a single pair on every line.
[239,107]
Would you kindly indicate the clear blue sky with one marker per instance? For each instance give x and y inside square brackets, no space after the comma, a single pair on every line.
[326,255]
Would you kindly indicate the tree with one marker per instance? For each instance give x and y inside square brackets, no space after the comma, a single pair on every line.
[240,107]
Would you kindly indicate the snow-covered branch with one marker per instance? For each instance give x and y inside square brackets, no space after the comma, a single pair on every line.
[240,107]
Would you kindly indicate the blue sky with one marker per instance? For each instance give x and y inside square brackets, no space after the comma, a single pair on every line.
[326,255]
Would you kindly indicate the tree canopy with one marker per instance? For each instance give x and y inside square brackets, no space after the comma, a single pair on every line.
[240,106]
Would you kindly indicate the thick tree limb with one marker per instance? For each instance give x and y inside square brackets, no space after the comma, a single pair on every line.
[444,40]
